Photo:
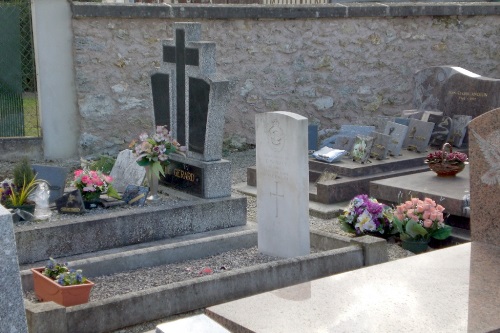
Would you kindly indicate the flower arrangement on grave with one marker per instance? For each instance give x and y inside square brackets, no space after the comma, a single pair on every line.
[58,283]
[92,184]
[365,215]
[446,163]
[152,151]
[62,274]
[418,220]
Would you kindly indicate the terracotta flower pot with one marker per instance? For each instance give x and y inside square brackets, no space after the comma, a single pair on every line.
[47,289]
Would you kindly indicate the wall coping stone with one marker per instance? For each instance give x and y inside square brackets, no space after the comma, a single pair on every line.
[333,10]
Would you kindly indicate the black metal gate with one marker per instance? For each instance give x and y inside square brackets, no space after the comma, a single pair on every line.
[18,102]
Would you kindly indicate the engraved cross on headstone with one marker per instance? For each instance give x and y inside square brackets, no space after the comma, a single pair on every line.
[276,195]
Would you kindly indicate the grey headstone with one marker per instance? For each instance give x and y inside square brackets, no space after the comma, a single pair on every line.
[70,203]
[361,149]
[12,312]
[484,158]
[380,122]
[397,132]
[126,171]
[55,177]
[344,142]
[459,129]
[380,146]
[282,193]
[442,130]
[418,136]
[188,74]
[454,90]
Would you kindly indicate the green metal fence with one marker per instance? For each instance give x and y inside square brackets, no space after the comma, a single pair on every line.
[18,101]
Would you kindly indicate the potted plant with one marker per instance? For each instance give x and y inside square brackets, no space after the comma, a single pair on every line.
[92,184]
[446,164]
[365,215]
[152,153]
[417,221]
[56,282]
[20,187]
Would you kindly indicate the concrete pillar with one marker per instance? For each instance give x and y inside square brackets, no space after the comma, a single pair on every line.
[53,37]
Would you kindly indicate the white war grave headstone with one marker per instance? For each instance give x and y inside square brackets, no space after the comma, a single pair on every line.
[282,184]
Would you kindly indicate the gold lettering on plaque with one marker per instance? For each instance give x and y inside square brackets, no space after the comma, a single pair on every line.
[189,176]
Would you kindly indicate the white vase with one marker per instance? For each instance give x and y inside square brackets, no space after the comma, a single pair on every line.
[153,184]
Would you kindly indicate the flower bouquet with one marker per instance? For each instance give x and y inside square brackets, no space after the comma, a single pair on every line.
[418,220]
[446,163]
[366,215]
[92,184]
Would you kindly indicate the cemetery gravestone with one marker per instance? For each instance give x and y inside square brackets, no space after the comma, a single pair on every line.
[380,122]
[484,159]
[442,129]
[282,193]
[459,129]
[380,146]
[55,177]
[402,121]
[418,136]
[70,203]
[12,312]
[126,171]
[397,132]
[454,90]
[191,99]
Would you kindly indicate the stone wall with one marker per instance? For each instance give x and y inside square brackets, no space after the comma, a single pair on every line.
[335,69]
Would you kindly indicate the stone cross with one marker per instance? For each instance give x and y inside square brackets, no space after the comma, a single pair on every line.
[282,184]
[188,96]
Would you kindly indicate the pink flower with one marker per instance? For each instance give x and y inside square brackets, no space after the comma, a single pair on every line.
[433,216]
[426,215]
[85,179]
[415,218]
[108,179]
[408,205]
[400,216]
[427,223]
[420,209]
[440,208]
[78,173]
[414,201]
[400,209]
[430,201]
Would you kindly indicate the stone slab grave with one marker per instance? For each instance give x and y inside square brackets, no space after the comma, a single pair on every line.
[12,311]
[54,176]
[126,171]
[282,193]
[455,91]
[191,99]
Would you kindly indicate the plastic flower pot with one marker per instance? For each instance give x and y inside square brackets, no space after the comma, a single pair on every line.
[47,289]
[415,246]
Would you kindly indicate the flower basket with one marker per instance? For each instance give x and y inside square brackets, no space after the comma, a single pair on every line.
[47,289]
[446,164]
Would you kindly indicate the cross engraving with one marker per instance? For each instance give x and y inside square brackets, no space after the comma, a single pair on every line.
[276,195]
[180,56]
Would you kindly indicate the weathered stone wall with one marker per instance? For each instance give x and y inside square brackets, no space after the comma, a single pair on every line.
[332,70]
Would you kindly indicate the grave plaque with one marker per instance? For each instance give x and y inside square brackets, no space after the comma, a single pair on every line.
[344,143]
[349,131]
[12,312]
[397,132]
[418,136]
[441,131]
[184,177]
[135,195]
[454,90]
[361,149]
[54,176]
[380,122]
[126,171]
[70,203]
[282,193]
[402,121]
[380,146]
[484,159]
[459,129]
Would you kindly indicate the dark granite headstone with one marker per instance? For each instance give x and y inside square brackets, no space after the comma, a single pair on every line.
[454,90]
[184,177]
[70,203]
[135,195]
[54,176]
[441,131]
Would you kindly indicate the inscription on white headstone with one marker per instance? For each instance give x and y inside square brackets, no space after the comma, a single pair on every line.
[282,184]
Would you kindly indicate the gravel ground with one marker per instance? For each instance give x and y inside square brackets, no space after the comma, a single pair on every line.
[117,284]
